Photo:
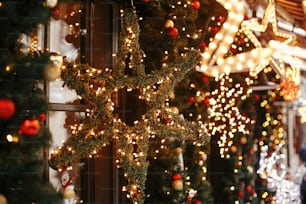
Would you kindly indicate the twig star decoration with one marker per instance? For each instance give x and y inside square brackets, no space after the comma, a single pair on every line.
[101,126]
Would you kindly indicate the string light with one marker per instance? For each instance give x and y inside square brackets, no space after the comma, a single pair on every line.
[224,115]
[219,46]
[251,25]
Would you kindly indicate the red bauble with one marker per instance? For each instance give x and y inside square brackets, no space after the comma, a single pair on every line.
[203,45]
[7,108]
[197,202]
[240,194]
[220,19]
[29,127]
[204,79]
[42,117]
[205,102]
[233,50]
[214,30]
[248,188]
[173,32]
[191,99]
[176,177]
[196,5]
[56,13]
[257,97]
[145,1]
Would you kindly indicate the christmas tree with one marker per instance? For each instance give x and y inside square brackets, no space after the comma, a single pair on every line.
[24,136]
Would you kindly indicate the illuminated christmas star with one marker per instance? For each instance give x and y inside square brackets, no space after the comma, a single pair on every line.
[224,117]
[101,126]
[249,26]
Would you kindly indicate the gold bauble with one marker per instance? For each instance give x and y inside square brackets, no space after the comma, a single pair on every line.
[233,149]
[243,140]
[178,185]
[169,24]
[68,193]
[178,150]
[52,72]
[3,199]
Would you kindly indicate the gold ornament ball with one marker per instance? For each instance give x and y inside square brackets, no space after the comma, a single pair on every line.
[68,193]
[233,149]
[169,24]
[52,72]
[178,150]
[177,185]
[3,199]
[51,3]
[174,110]
[243,140]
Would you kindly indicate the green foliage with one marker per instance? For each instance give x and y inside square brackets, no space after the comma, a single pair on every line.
[22,160]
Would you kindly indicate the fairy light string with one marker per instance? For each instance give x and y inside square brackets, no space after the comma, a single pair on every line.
[100,127]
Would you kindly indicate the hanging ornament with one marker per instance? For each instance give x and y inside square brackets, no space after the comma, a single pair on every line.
[67,185]
[42,117]
[3,199]
[206,101]
[220,19]
[195,4]
[56,13]
[197,202]
[178,185]
[191,99]
[248,188]
[51,3]
[29,127]
[7,108]
[240,194]
[173,32]
[169,24]
[203,45]
[243,140]
[53,70]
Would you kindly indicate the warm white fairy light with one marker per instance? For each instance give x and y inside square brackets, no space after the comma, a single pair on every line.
[251,25]
[219,46]
[224,116]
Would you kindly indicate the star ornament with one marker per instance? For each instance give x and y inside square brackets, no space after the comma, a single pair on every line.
[219,46]
[103,125]
[273,58]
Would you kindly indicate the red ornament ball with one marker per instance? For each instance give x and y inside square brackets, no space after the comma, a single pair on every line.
[176,177]
[7,108]
[42,117]
[206,102]
[204,79]
[240,194]
[29,127]
[214,30]
[196,5]
[203,45]
[248,188]
[257,97]
[220,19]
[197,202]
[56,13]
[191,99]
[173,32]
